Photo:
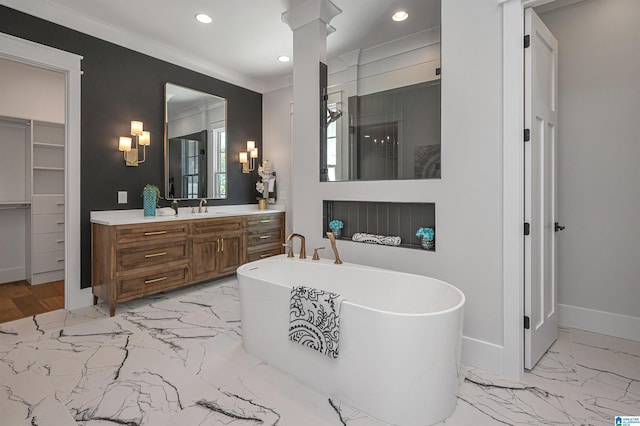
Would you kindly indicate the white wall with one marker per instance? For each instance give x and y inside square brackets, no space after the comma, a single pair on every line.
[276,142]
[599,152]
[468,197]
[15,146]
[31,92]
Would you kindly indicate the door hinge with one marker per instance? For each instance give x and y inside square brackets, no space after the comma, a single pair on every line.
[526,322]
[527,41]
[527,135]
[438,71]
[526,228]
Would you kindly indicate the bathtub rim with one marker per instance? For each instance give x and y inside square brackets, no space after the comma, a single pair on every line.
[243,269]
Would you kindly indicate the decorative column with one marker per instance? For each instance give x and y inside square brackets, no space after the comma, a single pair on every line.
[309,22]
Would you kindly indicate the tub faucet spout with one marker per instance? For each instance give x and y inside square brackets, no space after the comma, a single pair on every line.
[332,238]
[303,252]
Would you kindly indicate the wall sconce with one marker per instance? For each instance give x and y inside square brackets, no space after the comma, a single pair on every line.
[131,151]
[248,158]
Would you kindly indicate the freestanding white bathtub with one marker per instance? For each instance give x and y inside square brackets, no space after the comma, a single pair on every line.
[399,336]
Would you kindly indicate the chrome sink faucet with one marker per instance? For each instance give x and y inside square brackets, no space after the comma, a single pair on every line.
[303,252]
[202,201]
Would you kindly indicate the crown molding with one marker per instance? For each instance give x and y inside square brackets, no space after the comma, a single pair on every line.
[74,20]
[309,11]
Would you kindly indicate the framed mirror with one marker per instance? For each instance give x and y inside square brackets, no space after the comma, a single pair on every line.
[381,107]
[195,151]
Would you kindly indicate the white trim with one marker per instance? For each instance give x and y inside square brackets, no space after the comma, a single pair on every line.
[8,275]
[512,208]
[23,51]
[601,322]
[484,355]
[77,21]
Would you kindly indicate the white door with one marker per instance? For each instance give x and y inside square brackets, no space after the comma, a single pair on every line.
[541,118]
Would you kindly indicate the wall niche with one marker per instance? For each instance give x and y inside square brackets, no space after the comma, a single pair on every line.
[381,218]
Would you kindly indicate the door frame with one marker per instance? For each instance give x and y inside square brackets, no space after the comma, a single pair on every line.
[513,183]
[34,54]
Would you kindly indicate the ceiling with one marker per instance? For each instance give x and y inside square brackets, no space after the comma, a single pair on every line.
[242,43]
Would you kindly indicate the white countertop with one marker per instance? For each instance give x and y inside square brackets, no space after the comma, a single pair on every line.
[127,217]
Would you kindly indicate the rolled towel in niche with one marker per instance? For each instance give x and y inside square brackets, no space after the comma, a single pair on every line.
[385,240]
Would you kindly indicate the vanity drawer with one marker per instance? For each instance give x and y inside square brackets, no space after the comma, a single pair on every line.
[44,262]
[262,254]
[263,221]
[47,204]
[154,254]
[47,223]
[150,233]
[268,236]
[151,282]
[215,226]
[44,243]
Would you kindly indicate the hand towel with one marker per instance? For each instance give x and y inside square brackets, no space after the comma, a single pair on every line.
[314,319]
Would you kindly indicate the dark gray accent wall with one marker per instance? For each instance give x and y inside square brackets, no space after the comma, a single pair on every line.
[120,85]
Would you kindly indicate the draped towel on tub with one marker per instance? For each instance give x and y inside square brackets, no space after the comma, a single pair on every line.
[314,319]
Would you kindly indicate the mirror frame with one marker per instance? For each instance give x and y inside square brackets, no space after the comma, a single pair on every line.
[166,143]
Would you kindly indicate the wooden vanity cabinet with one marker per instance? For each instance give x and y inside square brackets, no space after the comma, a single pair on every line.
[131,261]
[218,247]
[136,260]
[265,236]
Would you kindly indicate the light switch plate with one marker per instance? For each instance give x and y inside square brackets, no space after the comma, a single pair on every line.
[122,197]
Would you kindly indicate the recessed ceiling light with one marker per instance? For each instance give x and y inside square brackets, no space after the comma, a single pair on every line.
[284,58]
[204,18]
[400,16]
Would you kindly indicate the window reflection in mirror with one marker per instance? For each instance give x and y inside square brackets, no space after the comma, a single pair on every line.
[383,109]
[195,144]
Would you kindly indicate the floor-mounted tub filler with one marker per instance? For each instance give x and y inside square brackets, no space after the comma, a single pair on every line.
[400,336]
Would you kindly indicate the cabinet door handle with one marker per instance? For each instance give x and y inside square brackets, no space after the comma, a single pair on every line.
[60,223]
[222,245]
[59,204]
[60,241]
[265,221]
[162,253]
[146,234]
[154,280]
[264,237]
[265,255]
[217,246]
[61,260]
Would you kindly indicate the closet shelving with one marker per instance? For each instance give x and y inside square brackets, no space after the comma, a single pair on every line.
[47,202]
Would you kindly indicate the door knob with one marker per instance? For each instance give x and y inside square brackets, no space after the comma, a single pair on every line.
[558,227]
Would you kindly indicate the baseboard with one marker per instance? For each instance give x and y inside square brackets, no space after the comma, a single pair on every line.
[77,298]
[599,322]
[484,355]
[8,275]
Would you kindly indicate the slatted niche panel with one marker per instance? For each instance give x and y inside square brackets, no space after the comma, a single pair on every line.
[381,218]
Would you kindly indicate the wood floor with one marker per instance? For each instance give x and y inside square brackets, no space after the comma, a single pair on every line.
[19,299]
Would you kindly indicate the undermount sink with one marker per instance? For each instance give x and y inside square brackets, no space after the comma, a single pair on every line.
[213,213]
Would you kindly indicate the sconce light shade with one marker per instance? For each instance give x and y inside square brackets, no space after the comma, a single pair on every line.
[248,158]
[136,128]
[131,146]
[145,138]
[124,144]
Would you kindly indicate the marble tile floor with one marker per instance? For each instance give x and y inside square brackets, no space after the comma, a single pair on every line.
[177,359]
